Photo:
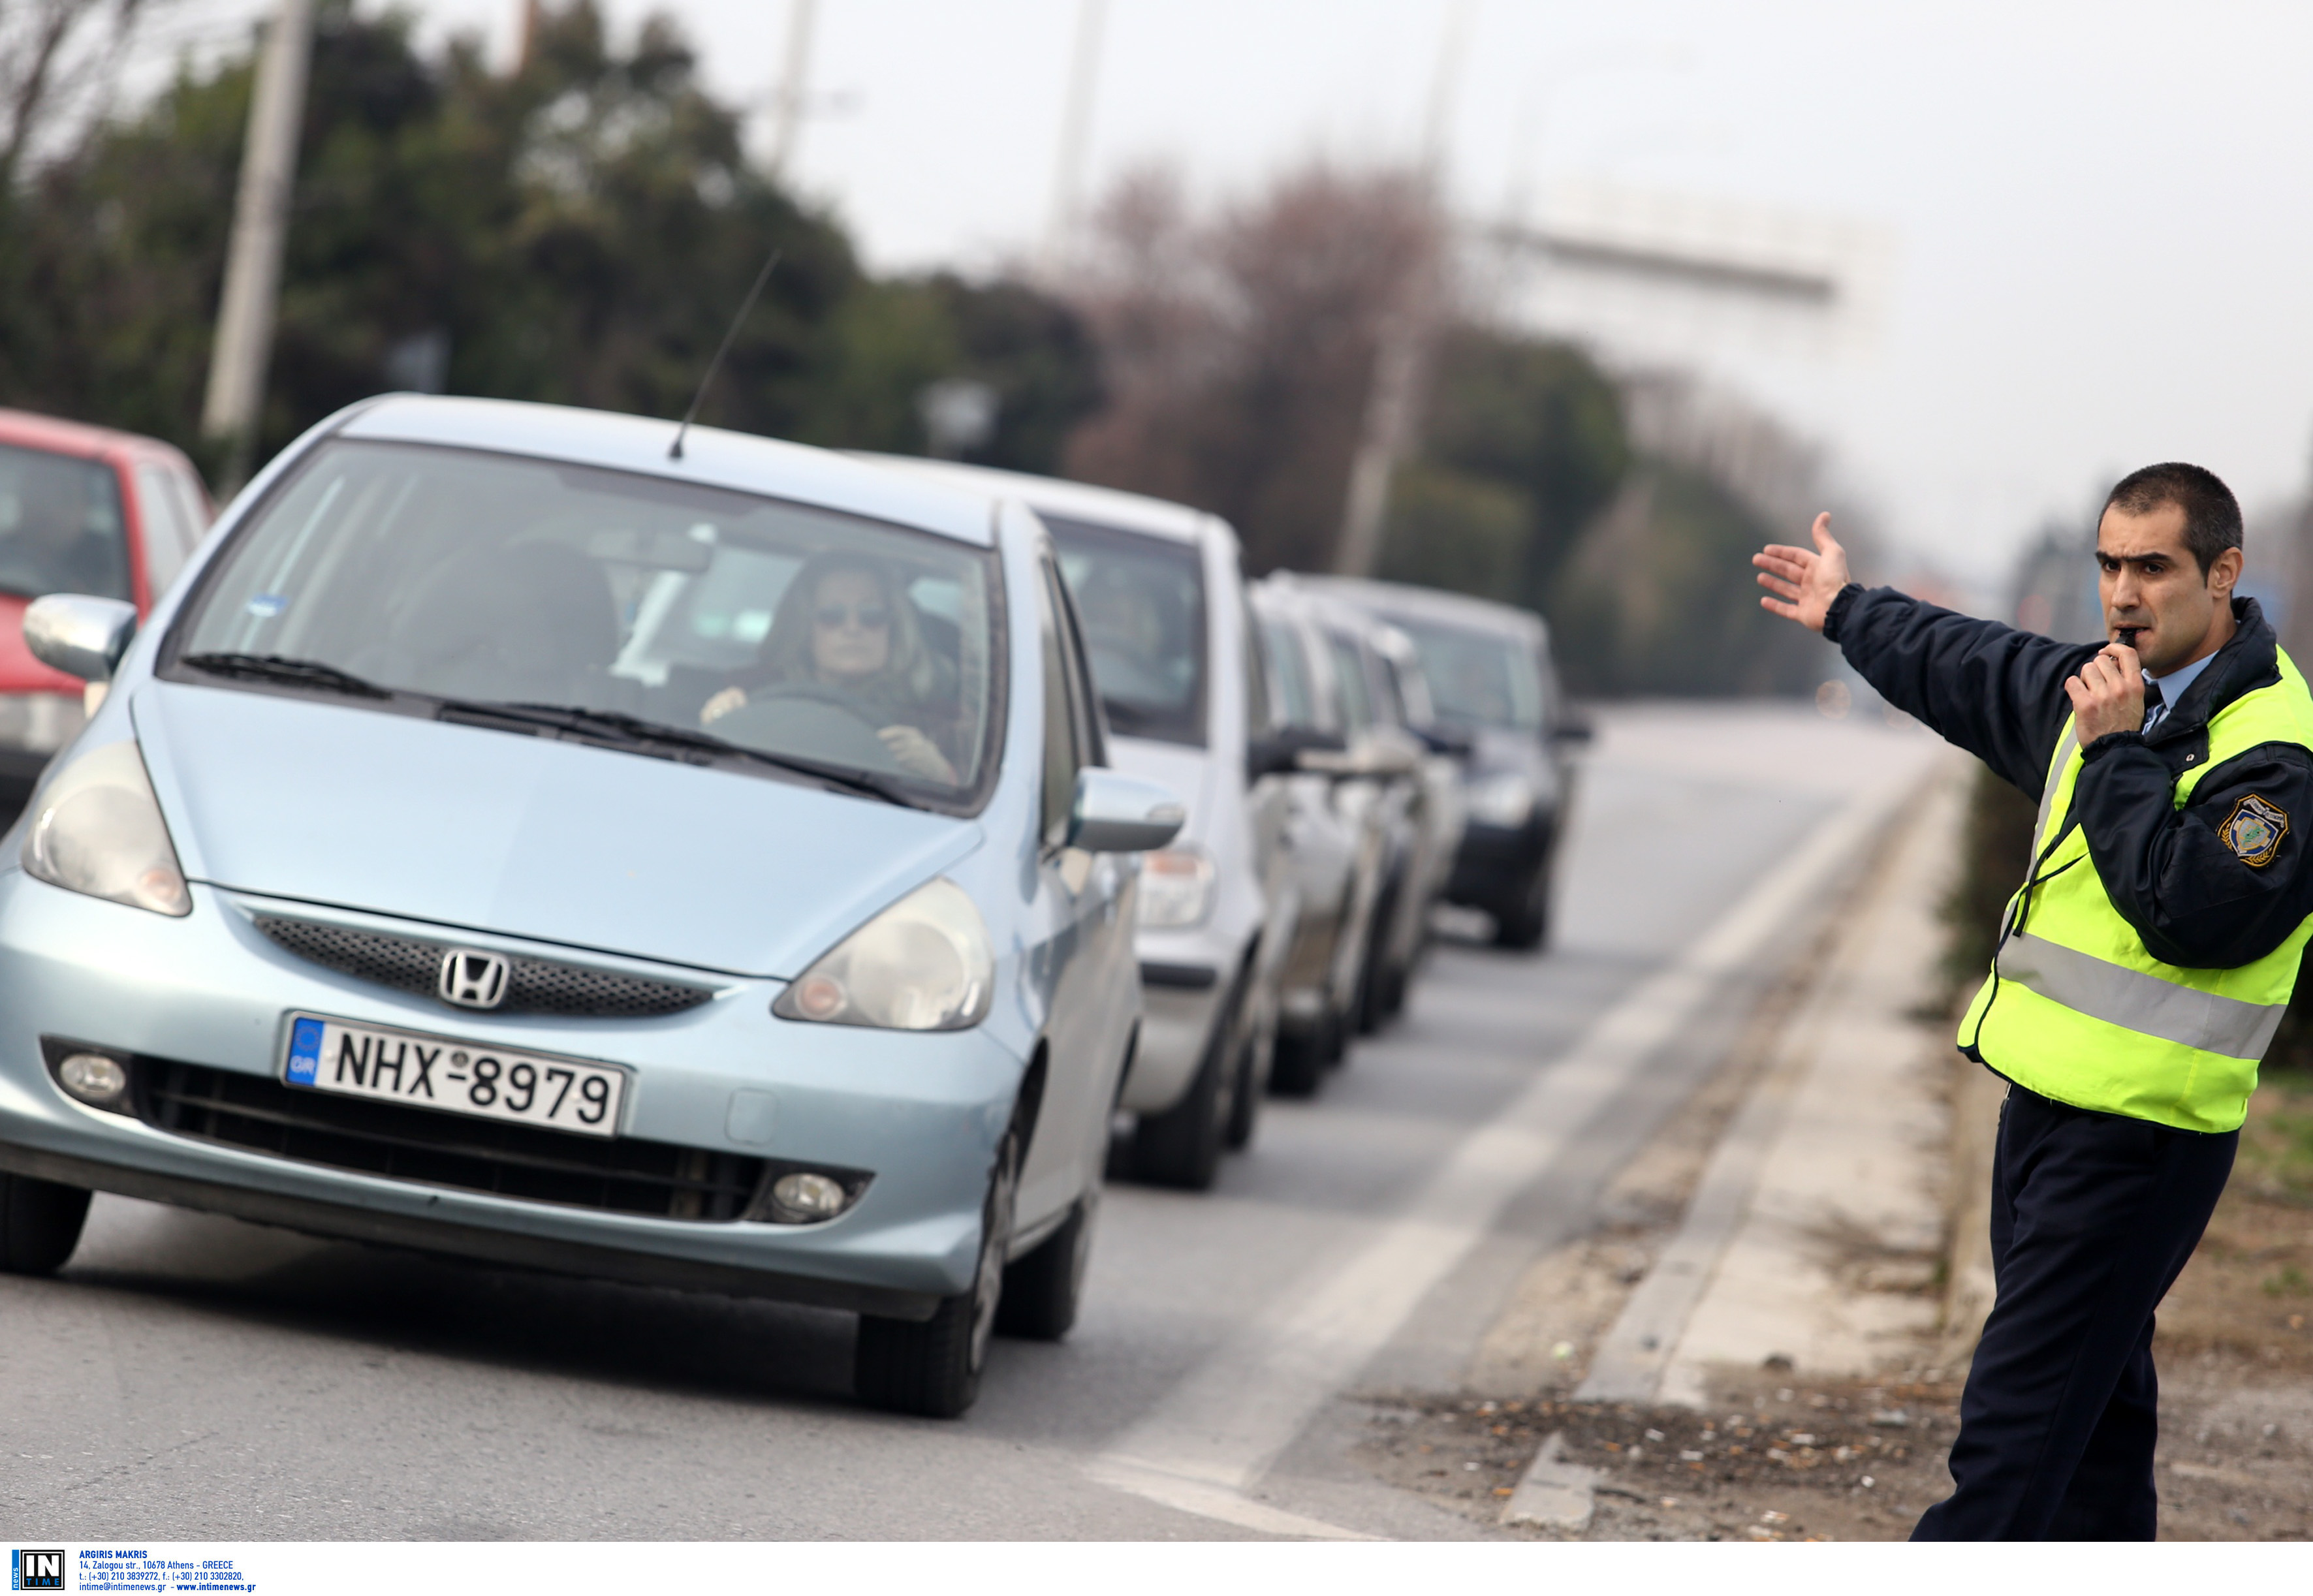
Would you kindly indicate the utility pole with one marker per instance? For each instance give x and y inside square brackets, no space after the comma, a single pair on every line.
[261,222]
[786,121]
[1402,341]
[1076,136]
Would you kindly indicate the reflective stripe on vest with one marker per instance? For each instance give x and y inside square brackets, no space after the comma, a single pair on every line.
[2076,1010]
[2139,1002]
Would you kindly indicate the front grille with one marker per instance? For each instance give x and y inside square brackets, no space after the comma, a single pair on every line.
[620,1176]
[533,986]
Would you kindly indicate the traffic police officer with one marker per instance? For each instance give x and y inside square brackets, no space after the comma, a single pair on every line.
[2142,967]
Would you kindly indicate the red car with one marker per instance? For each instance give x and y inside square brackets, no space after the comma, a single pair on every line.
[82,510]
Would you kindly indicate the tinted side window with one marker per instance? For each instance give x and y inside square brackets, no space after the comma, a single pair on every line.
[60,526]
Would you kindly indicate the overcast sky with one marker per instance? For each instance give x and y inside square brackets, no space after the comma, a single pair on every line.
[2102,213]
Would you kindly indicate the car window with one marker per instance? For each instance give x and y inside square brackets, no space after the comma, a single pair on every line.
[1349,676]
[782,628]
[60,526]
[169,536]
[1063,749]
[1084,695]
[1142,603]
[1298,700]
[1482,678]
[1259,712]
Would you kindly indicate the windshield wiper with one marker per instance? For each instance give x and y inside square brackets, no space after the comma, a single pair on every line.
[290,672]
[613,726]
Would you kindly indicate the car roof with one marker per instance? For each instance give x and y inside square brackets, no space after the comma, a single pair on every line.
[1404,600]
[1078,501]
[30,430]
[711,456]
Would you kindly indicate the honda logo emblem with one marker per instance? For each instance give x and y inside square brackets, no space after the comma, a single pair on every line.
[473,980]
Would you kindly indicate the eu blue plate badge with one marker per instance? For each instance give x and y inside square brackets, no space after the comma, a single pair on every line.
[305,1051]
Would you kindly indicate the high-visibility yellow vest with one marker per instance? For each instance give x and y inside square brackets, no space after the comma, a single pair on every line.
[2075,1010]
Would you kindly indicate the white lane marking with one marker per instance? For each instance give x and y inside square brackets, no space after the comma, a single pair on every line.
[1552,1493]
[1213,1502]
[1231,1415]
[1633,1356]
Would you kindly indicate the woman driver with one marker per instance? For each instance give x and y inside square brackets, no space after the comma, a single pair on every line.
[843,623]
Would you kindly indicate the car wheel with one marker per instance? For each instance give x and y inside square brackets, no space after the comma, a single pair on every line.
[40,1224]
[1371,1006]
[1042,1290]
[1302,1056]
[1181,1147]
[933,1368]
[1256,1066]
[1526,926]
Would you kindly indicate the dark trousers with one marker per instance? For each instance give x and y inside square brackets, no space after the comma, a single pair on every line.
[2092,1217]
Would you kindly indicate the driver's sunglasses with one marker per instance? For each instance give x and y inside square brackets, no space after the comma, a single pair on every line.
[874,617]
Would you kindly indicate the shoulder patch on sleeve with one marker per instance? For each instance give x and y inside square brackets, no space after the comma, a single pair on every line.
[2254,830]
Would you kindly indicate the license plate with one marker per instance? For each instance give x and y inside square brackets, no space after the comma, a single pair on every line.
[435,1072]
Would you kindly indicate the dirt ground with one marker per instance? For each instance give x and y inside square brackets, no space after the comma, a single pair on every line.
[1777,1459]
[1771,1462]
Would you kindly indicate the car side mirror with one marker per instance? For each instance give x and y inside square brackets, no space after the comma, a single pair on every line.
[1116,813]
[1280,753]
[79,635]
[1573,728]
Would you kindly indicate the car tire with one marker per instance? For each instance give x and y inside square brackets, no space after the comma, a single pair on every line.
[1181,1147]
[1256,1066]
[1524,925]
[1300,1068]
[932,1369]
[1371,1007]
[40,1224]
[1042,1291]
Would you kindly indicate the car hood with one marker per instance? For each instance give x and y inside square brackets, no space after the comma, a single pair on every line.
[305,799]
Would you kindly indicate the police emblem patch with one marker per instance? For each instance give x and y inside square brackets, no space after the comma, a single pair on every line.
[2254,830]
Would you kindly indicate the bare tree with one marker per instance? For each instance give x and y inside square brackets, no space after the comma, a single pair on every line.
[58,59]
[1240,347]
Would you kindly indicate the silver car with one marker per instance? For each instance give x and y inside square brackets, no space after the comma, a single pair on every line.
[511,841]
[1340,818]
[1166,627]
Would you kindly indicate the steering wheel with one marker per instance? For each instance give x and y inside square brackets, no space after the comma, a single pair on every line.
[812,720]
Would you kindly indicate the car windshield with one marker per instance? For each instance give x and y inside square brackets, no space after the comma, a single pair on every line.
[794,632]
[1142,602]
[60,526]
[1481,679]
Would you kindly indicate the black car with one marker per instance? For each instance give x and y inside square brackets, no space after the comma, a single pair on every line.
[1491,681]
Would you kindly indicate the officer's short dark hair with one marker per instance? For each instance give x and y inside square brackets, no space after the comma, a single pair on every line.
[2212,517]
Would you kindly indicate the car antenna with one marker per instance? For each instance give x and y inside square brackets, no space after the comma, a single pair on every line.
[674,450]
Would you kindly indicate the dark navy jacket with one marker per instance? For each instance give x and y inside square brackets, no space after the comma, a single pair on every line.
[1999,693]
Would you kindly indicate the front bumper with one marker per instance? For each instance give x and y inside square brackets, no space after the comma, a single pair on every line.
[921,1113]
[1494,865]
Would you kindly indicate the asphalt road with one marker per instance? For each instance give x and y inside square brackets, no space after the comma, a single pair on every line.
[193,1377]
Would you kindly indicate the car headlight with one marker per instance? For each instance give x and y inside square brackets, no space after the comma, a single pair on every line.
[1504,798]
[1176,888]
[99,830]
[923,964]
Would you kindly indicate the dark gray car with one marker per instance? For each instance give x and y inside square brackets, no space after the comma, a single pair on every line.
[1490,677]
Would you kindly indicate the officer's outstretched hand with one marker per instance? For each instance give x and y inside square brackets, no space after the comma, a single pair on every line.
[1803,582]
[2108,694]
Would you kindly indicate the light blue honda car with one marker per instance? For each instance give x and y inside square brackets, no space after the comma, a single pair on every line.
[518,839]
